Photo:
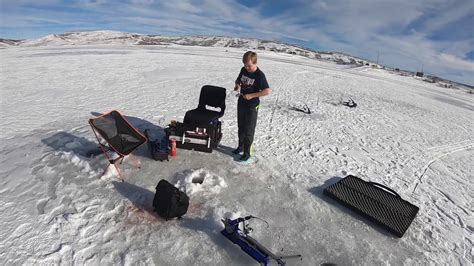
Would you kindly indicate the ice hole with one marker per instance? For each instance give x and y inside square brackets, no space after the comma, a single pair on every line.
[199,179]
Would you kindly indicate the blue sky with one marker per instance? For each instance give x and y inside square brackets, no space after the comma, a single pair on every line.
[437,35]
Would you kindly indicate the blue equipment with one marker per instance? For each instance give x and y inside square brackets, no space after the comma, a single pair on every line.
[248,244]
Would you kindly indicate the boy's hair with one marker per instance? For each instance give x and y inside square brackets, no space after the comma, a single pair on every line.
[249,56]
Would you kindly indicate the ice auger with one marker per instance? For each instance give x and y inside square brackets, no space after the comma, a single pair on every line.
[248,244]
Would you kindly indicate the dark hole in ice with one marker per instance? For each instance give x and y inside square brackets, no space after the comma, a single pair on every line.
[199,179]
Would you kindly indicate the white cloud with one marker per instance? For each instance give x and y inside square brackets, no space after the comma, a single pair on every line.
[360,27]
[92,3]
[142,2]
[364,28]
[415,52]
[447,12]
[30,2]
[455,62]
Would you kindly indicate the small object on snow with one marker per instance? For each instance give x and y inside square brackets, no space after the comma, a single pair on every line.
[350,103]
[375,202]
[248,244]
[304,109]
[158,149]
[170,202]
[165,144]
[173,151]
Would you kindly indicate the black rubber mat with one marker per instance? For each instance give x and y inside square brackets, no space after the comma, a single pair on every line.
[375,202]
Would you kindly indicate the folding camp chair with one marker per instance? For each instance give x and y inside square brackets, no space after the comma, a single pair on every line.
[120,137]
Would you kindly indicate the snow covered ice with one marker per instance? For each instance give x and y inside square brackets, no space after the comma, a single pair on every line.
[57,208]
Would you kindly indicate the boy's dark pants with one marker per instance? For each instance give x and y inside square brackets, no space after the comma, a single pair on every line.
[247,121]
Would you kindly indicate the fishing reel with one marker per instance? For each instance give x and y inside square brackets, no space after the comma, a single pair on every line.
[232,226]
[250,245]
[246,225]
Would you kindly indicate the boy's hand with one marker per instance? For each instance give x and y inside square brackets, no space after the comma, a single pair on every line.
[247,96]
[237,87]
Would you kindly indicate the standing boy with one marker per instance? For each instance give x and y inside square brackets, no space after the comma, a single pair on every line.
[252,84]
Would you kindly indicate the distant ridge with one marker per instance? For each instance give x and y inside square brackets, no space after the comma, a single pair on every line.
[116,37]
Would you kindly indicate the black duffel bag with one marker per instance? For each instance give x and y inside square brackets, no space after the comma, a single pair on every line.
[170,202]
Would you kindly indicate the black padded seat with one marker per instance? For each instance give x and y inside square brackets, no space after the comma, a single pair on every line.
[211,107]
[201,117]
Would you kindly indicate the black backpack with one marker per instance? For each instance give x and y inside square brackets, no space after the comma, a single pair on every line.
[170,202]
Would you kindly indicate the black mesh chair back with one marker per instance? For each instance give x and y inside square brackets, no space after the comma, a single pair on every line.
[122,137]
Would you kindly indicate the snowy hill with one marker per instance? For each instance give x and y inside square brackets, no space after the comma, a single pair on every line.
[114,37]
[7,42]
[106,37]
[57,206]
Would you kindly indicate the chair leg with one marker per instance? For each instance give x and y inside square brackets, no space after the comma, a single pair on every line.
[120,160]
[110,161]
[136,162]
[116,167]
[119,172]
